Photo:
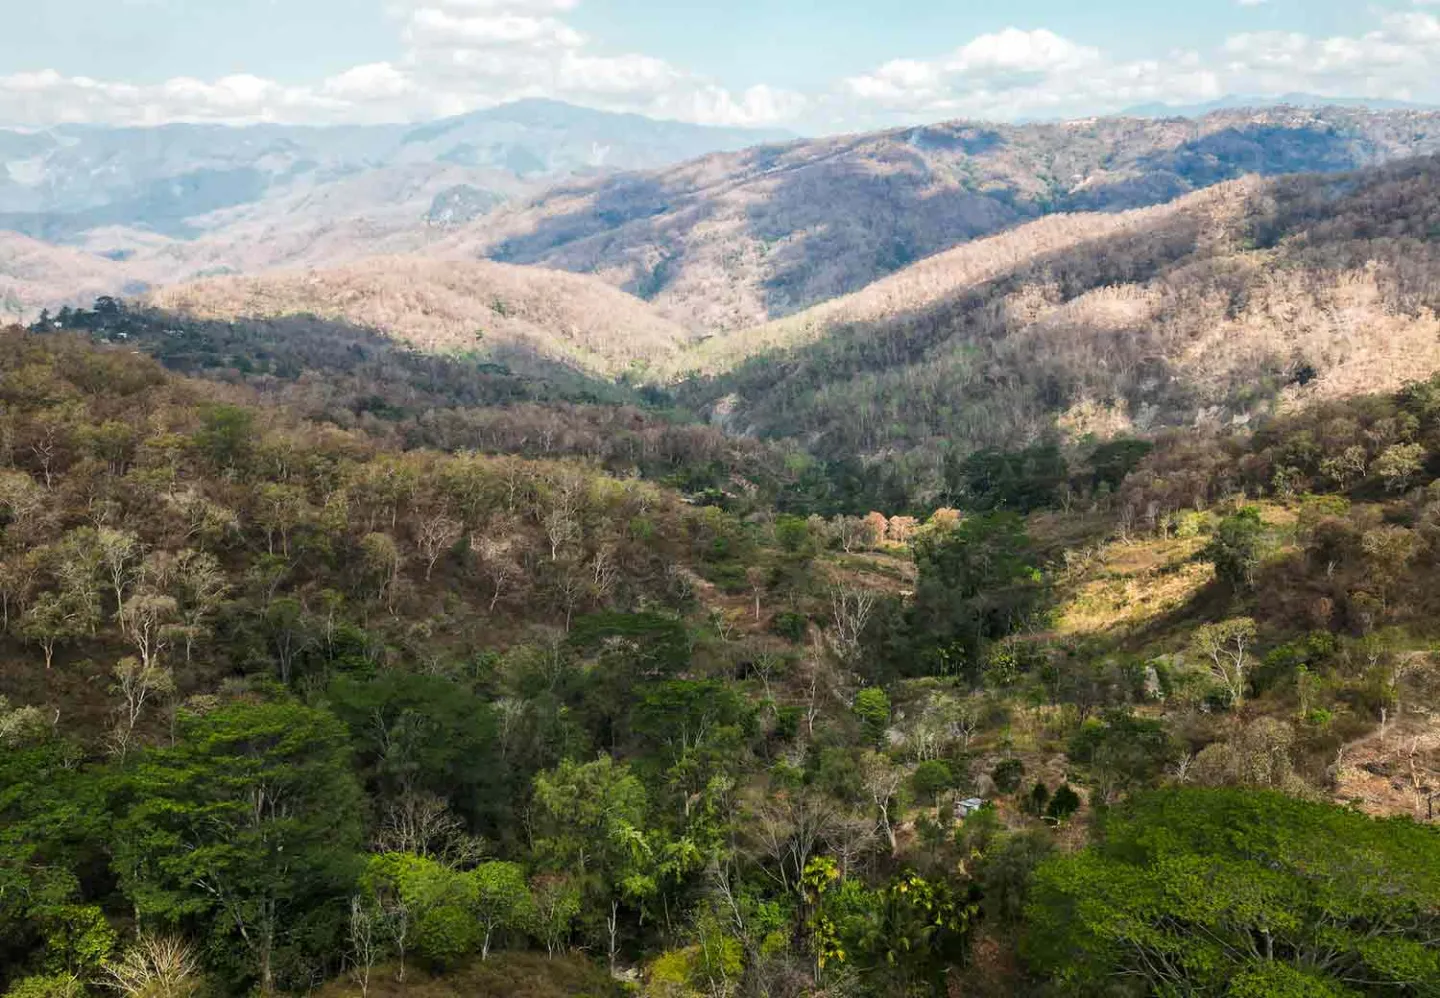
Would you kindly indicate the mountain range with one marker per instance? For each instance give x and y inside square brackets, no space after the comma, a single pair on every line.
[718,243]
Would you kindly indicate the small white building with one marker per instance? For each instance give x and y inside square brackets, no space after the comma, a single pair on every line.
[967,807]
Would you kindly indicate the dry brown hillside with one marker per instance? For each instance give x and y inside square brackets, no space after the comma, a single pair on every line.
[1223,305]
[450,306]
[735,239]
[33,273]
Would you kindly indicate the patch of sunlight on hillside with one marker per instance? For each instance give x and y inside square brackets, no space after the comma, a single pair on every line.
[1124,585]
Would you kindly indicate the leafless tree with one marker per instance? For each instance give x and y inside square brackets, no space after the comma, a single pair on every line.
[851,609]
[137,682]
[882,780]
[365,944]
[435,534]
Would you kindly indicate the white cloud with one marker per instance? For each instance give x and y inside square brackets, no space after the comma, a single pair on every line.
[1013,50]
[1015,73]
[1395,60]
[458,56]
[461,55]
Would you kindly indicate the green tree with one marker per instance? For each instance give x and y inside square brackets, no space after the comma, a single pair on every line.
[590,818]
[1236,548]
[502,900]
[56,618]
[932,778]
[249,825]
[1007,775]
[225,435]
[52,819]
[978,583]
[1398,465]
[1063,805]
[1226,892]
[872,708]
[439,903]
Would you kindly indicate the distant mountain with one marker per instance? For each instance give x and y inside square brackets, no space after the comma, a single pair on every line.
[719,243]
[61,182]
[1234,102]
[736,239]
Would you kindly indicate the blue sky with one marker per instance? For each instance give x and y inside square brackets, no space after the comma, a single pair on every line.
[814,66]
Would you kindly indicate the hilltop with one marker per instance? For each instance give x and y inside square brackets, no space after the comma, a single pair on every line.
[453,307]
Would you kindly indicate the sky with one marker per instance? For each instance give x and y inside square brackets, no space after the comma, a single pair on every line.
[806,65]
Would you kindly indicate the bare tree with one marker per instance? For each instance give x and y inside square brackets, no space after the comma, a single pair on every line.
[156,967]
[851,609]
[146,619]
[499,565]
[561,518]
[419,822]
[365,945]
[1225,648]
[882,780]
[119,556]
[137,682]
[436,533]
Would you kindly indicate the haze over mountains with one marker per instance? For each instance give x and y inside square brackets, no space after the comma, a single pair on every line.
[157,205]
[716,243]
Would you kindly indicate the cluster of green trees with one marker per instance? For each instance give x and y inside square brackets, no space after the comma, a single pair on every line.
[287,705]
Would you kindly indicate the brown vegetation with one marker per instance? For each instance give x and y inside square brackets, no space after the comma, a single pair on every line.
[449,307]
[1209,310]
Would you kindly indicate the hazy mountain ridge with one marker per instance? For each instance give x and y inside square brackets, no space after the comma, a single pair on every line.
[182,170]
[734,239]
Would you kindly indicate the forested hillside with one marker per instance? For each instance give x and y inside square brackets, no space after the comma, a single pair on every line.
[454,307]
[718,243]
[302,695]
[731,240]
[1219,307]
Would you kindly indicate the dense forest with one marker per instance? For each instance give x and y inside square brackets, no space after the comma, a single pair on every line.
[332,666]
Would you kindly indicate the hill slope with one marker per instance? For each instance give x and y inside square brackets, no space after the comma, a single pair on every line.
[719,243]
[452,306]
[735,239]
[1220,305]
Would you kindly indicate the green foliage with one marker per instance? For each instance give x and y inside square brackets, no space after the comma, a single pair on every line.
[225,435]
[932,778]
[590,822]
[1112,461]
[1124,751]
[992,479]
[250,824]
[1063,805]
[48,986]
[1007,775]
[793,534]
[978,583]
[872,709]
[445,918]
[1193,891]
[414,732]
[502,900]
[1236,548]
[1006,873]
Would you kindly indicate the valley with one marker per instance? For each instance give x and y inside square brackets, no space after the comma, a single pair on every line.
[958,559]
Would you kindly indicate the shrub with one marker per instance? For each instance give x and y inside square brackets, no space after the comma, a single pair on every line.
[1007,775]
